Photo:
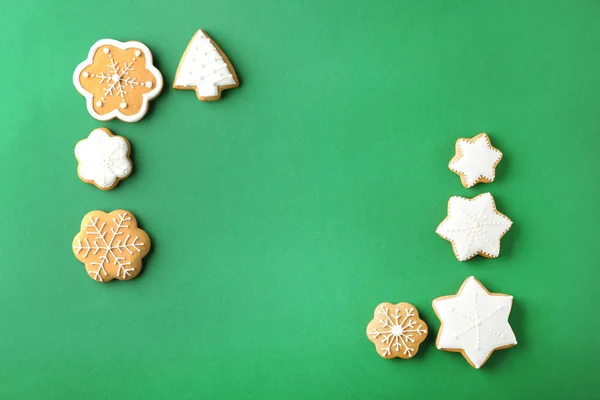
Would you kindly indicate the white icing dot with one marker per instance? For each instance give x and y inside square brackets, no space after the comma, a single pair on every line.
[123,105]
[86,75]
[115,78]
[134,58]
[93,75]
[149,84]
[98,104]
[106,50]
[137,53]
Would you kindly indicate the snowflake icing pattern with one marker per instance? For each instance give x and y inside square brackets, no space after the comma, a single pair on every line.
[398,333]
[110,248]
[117,79]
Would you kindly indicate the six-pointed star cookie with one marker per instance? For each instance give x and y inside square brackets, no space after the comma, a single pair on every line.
[474,226]
[475,160]
[474,322]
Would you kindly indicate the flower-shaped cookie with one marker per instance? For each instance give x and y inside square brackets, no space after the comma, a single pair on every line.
[118,80]
[103,159]
[111,245]
[396,330]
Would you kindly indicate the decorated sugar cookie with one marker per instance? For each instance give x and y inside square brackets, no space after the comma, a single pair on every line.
[474,322]
[474,226]
[475,160]
[118,80]
[111,245]
[396,330]
[205,68]
[103,159]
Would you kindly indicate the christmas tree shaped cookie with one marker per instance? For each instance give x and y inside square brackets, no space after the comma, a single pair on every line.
[205,68]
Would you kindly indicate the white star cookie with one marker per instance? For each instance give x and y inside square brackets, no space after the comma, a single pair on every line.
[474,322]
[474,226]
[475,160]
[103,159]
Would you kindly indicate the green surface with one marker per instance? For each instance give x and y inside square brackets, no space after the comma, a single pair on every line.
[283,214]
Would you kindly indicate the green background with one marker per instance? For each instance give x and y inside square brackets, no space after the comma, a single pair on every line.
[283,214]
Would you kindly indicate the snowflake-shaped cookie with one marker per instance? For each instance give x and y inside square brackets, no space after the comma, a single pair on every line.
[475,160]
[474,322]
[396,330]
[111,245]
[118,80]
[474,226]
[103,159]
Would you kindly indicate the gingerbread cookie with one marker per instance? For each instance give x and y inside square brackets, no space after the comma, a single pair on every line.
[118,80]
[475,160]
[103,159]
[474,226]
[396,330]
[474,322]
[205,68]
[111,245]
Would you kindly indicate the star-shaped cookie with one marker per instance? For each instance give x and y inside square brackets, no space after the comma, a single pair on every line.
[475,160]
[474,322]
[474,226]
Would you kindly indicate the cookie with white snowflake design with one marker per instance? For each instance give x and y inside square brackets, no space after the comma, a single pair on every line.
[396,330]
[205,68]
[475,160]
[118,80]
[103,159]
[474,227]
[474,322]
[111,245]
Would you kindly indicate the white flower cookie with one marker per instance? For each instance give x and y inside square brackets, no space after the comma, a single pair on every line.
[474,322]
[205,68]
[103,159]
[474,226]
[118,80]
[475,160]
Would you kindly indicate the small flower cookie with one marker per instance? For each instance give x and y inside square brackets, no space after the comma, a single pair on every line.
[475,160]
[118,80]
[474,226]
[474,322]
[396,330]
[111,245]
[103,159]
[205,68]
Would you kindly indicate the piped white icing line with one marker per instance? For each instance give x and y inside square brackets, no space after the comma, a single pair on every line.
[474,322]
[478,159]
[474,226]
[103,158]
[203,68]
[146,97]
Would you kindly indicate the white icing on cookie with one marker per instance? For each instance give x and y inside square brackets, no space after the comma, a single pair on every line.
[478,159]
[116,79]
[474,226]
[474,321]
[103,158]
[203,68]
